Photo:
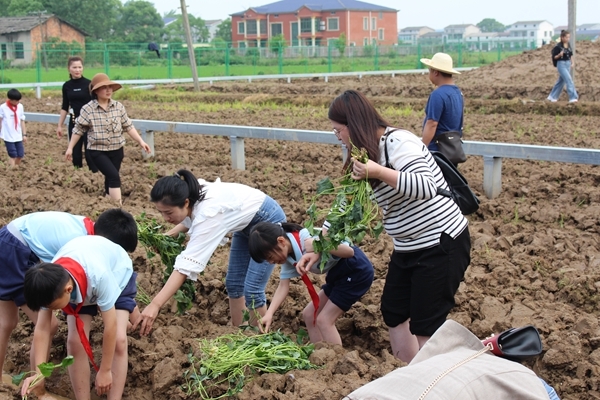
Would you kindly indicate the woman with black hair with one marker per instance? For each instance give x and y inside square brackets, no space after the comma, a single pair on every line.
[562,57]
[208,211]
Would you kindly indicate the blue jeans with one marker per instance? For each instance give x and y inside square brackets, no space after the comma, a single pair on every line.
[551,392]
[245,277]
[564,78]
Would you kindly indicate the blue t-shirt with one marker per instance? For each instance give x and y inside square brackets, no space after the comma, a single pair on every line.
[47,231]
[445,106]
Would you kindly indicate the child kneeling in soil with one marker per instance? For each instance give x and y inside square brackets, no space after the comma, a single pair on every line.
[87,274]
[38,236]
[349,275]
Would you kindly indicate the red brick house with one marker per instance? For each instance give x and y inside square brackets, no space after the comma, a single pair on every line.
[311,24]
[20,37]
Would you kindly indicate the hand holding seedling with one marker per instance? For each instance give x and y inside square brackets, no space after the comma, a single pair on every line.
[33,382]
[265,323]
[366,170]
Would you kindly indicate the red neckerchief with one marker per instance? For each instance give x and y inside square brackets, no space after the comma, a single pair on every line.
[89,225]
[78,274]
[14,110]
[311,289]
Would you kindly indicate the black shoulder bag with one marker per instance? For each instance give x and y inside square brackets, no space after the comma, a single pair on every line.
[450,143]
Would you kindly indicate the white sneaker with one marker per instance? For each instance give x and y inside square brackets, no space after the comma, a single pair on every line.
[573,101]
[550,99]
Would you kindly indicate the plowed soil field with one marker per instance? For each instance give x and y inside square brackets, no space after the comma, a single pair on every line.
[536,247]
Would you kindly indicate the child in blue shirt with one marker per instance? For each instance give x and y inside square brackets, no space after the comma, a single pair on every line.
[88,273]
[349,275]
[38,236]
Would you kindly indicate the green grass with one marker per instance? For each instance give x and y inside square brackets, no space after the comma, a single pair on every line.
[159,69]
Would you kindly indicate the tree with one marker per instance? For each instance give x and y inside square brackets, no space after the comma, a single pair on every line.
[21,8]
[97,18]
[490,25]
[224,30]
[4,7]
[340,44]
[139,23]
[175,33]
[277,43]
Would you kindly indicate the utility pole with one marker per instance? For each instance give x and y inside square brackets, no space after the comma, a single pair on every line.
[573,30]
[188,37]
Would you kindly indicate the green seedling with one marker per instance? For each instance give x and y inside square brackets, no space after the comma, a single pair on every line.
[46,370]
[353,214]
[223,365]
[168,248]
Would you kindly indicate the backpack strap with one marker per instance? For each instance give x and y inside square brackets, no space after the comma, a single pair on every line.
[441,191]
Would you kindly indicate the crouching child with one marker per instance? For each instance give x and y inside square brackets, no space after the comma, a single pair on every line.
[87,274]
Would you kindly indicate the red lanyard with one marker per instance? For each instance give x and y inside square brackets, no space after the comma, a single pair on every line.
[89,225]
[78,274]
[311,289]
[14,110]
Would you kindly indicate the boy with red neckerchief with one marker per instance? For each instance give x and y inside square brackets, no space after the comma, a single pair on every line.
[86,274]
[28,240]
[12,119]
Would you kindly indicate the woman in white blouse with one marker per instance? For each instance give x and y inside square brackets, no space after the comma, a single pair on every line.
[208,211]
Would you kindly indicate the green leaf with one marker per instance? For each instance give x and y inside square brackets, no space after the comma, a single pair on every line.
[46,369]
[68,360]
[17,379]
[324,185]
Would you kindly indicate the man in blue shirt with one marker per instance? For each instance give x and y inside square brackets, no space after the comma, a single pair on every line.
[444,109]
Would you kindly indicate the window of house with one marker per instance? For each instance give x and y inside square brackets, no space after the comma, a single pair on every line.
[276,29]
[305,25]
[241,28]
[263,26]
[380,15]
[263,43]
[373,24]
[251,27]
[374,41]
[242,44]
[333,24]
[365,23]
[531,34]
[19,51]
[317,23]
[380,35]
[366,41]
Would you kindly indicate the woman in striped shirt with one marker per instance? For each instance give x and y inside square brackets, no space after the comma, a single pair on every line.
[431,237]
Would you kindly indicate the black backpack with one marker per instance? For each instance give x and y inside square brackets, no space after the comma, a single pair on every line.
[459,191]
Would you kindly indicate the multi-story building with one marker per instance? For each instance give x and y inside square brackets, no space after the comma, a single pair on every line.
[532,34]
[457,33]
[411,34]
[314,24]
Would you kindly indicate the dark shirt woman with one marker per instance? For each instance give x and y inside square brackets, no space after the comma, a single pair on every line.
[75,94]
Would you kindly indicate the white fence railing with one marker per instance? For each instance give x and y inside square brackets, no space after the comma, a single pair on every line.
[325,75]
[492,153]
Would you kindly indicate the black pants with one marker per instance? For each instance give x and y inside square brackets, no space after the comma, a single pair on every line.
[109,163]
[78,151]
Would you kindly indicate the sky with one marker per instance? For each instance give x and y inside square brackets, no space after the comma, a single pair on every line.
[433,13]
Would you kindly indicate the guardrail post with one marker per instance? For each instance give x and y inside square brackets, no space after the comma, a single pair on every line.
[148,137]
[238,160]
[38,92]
[492,176]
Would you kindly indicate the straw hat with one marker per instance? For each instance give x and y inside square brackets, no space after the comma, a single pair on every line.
[440,62]
[100,80]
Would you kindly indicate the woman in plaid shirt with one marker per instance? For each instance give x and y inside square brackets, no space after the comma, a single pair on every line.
[105,120]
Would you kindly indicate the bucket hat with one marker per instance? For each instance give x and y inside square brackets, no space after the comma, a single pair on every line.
[100,80]
[440,62]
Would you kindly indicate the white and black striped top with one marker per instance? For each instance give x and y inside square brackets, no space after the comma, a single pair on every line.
[413,215]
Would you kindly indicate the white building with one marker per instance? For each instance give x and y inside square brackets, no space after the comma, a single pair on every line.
[411,34]
[457,33]
[212,25]
[531,34]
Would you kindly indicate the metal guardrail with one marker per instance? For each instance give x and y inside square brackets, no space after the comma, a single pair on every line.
[39,85]
[492,153]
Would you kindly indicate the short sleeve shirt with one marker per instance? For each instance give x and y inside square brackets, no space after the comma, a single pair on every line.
[47,231]
[445,106]
[288,269]
[107,267]
[104,127]
[8,132]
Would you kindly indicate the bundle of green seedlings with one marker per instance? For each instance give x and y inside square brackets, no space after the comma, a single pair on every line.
[352,215]
[152,237]
[46,370]
[221,367]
